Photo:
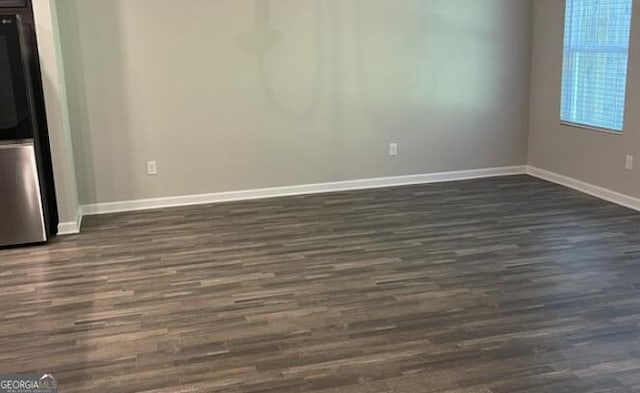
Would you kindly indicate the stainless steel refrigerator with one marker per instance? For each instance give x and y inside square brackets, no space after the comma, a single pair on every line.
[22,203]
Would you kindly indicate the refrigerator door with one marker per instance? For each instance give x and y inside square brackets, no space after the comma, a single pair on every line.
[21,213]
[15,110]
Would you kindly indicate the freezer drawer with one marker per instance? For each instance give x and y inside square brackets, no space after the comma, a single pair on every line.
[21,213]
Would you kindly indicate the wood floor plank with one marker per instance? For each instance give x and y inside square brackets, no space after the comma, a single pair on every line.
[499,285]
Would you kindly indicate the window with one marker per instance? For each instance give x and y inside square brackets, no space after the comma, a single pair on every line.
[596,51]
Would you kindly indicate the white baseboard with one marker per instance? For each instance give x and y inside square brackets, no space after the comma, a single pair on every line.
[156,203]
[67,228]
[71,227]
[590,189]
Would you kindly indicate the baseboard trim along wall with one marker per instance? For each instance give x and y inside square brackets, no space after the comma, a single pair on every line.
[187,200]
[71,227]
[596,191]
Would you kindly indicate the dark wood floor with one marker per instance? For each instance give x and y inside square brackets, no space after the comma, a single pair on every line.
[498,285]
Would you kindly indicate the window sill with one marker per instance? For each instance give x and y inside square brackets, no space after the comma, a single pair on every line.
[591,128]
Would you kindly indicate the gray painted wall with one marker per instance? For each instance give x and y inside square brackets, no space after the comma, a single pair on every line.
[242,94]
[590,156]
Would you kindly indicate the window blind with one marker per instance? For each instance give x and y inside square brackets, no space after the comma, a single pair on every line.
[596,51]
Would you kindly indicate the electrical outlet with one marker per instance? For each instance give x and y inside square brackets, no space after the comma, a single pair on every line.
[152,168]
[393,149]
[628,164]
